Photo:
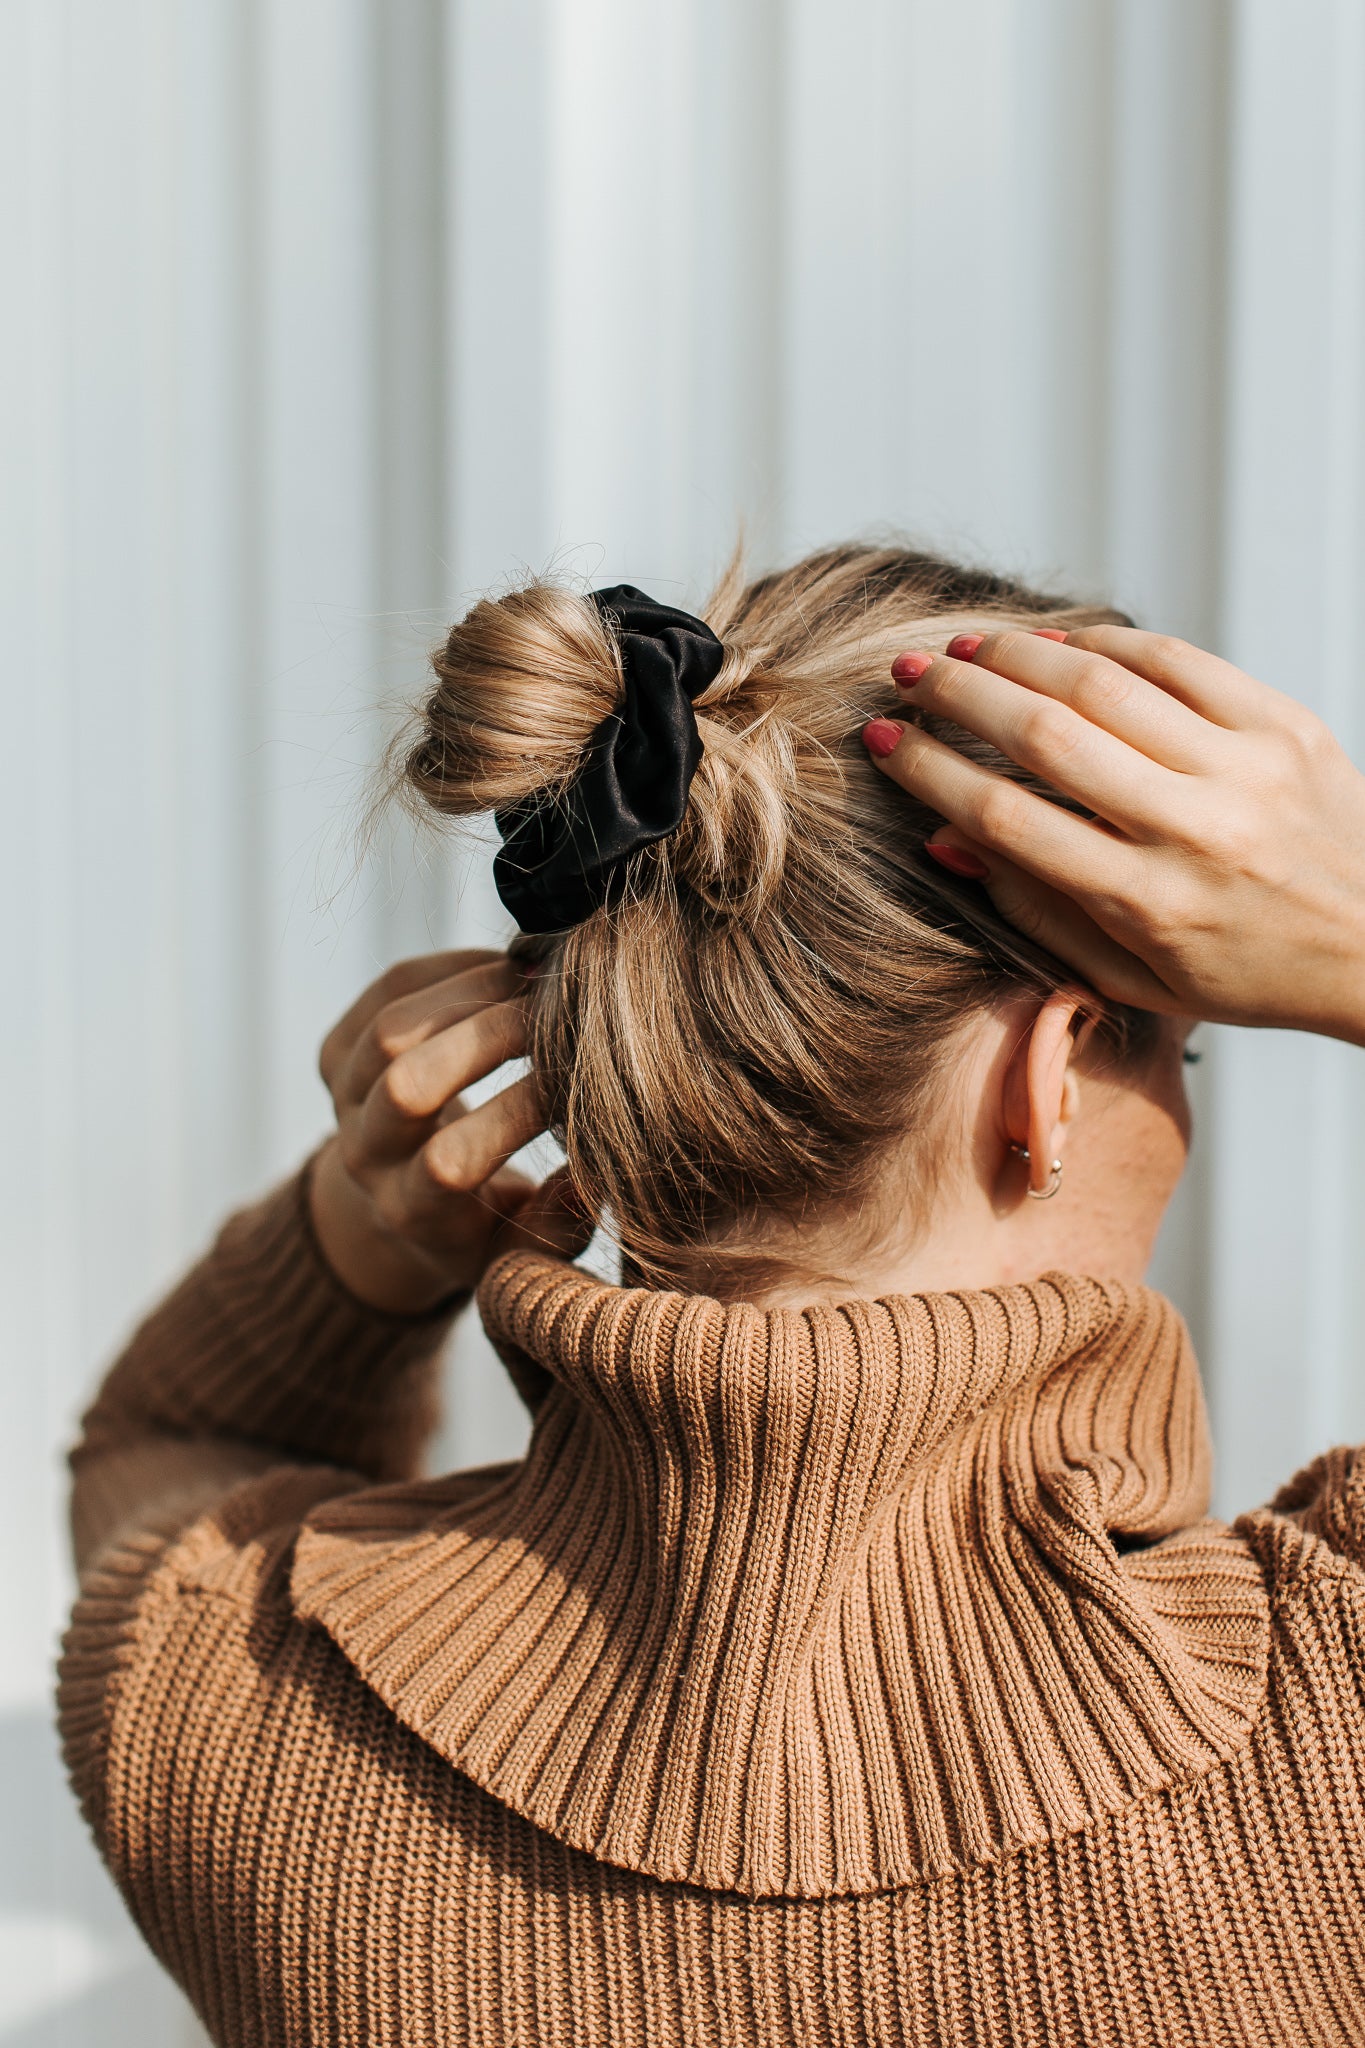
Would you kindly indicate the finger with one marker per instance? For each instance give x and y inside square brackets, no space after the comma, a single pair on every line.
[404,1104]
[1071,853]
[1213,688]
[413,1019]
[1052,741]
[462,1156]
[428,1079]
[410,1092]
[396,982]
[1101,691]
[1058,924]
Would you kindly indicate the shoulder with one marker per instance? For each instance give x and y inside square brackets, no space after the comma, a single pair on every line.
[1310,1544]
[163,1628]
[249,1792]
[1311,1537]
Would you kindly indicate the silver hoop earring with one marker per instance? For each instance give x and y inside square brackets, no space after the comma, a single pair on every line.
[1040,1194]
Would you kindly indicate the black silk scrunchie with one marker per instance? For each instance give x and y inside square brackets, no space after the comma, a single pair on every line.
[564,856]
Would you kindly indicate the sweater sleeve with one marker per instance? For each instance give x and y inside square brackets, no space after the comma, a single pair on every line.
[259,1357]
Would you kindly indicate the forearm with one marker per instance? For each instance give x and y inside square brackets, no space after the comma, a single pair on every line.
[258,1357]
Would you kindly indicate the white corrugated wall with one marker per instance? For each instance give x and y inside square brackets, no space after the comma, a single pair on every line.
[320,315]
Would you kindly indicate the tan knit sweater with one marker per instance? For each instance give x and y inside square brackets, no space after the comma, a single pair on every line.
[860,1675]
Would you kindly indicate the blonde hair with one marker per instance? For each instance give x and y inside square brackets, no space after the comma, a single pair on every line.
[736,1044]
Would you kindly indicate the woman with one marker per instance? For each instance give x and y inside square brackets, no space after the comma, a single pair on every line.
[851,1658]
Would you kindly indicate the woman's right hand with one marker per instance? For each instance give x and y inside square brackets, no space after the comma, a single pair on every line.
[1222,874]
[413,1196]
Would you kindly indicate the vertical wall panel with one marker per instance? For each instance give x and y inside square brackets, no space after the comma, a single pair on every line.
[211,615]
[99,418]
[1287,1329]
[412,572]
[846,340]
[315,188]
[1168,321]
[1162,512]
[622,267]
[498,290]
[740,241]
[945,293]
[119,541]
[616,244]
[41,1307]
[53,1956]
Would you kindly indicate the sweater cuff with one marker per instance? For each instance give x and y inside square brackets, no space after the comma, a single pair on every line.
[261,1342]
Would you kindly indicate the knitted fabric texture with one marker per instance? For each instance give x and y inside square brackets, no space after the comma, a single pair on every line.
[862,1674]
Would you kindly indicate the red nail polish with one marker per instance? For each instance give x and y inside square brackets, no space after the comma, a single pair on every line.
[965,645]
[958,861]
[1048,633]
[882,737]
[908,668]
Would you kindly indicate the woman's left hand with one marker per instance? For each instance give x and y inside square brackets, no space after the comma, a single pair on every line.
[1222,873]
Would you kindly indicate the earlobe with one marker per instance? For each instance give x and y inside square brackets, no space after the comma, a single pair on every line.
[1054,1179]
[1052,1093]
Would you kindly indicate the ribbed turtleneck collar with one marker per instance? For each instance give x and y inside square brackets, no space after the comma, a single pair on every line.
[805,1603]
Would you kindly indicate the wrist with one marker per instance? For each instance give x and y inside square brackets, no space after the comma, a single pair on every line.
[382,1271]
[1341,1008]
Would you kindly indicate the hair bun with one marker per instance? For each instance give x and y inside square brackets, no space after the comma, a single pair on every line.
[562,858]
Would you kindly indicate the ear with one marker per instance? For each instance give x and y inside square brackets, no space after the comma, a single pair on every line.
[1041,1095]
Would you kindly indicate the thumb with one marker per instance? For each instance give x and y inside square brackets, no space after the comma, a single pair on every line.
[552,1219]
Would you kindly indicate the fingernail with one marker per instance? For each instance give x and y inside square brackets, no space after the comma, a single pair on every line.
[908,668]
[959,861]
[1048,633]
[965,645]
[882,737]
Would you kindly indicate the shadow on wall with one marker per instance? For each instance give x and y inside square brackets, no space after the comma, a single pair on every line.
[74,1971]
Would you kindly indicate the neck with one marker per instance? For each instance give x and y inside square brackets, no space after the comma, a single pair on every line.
[960,1251]
[817,1270]
[973,1229]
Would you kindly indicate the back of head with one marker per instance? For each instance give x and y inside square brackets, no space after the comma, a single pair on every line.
[768,1007]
